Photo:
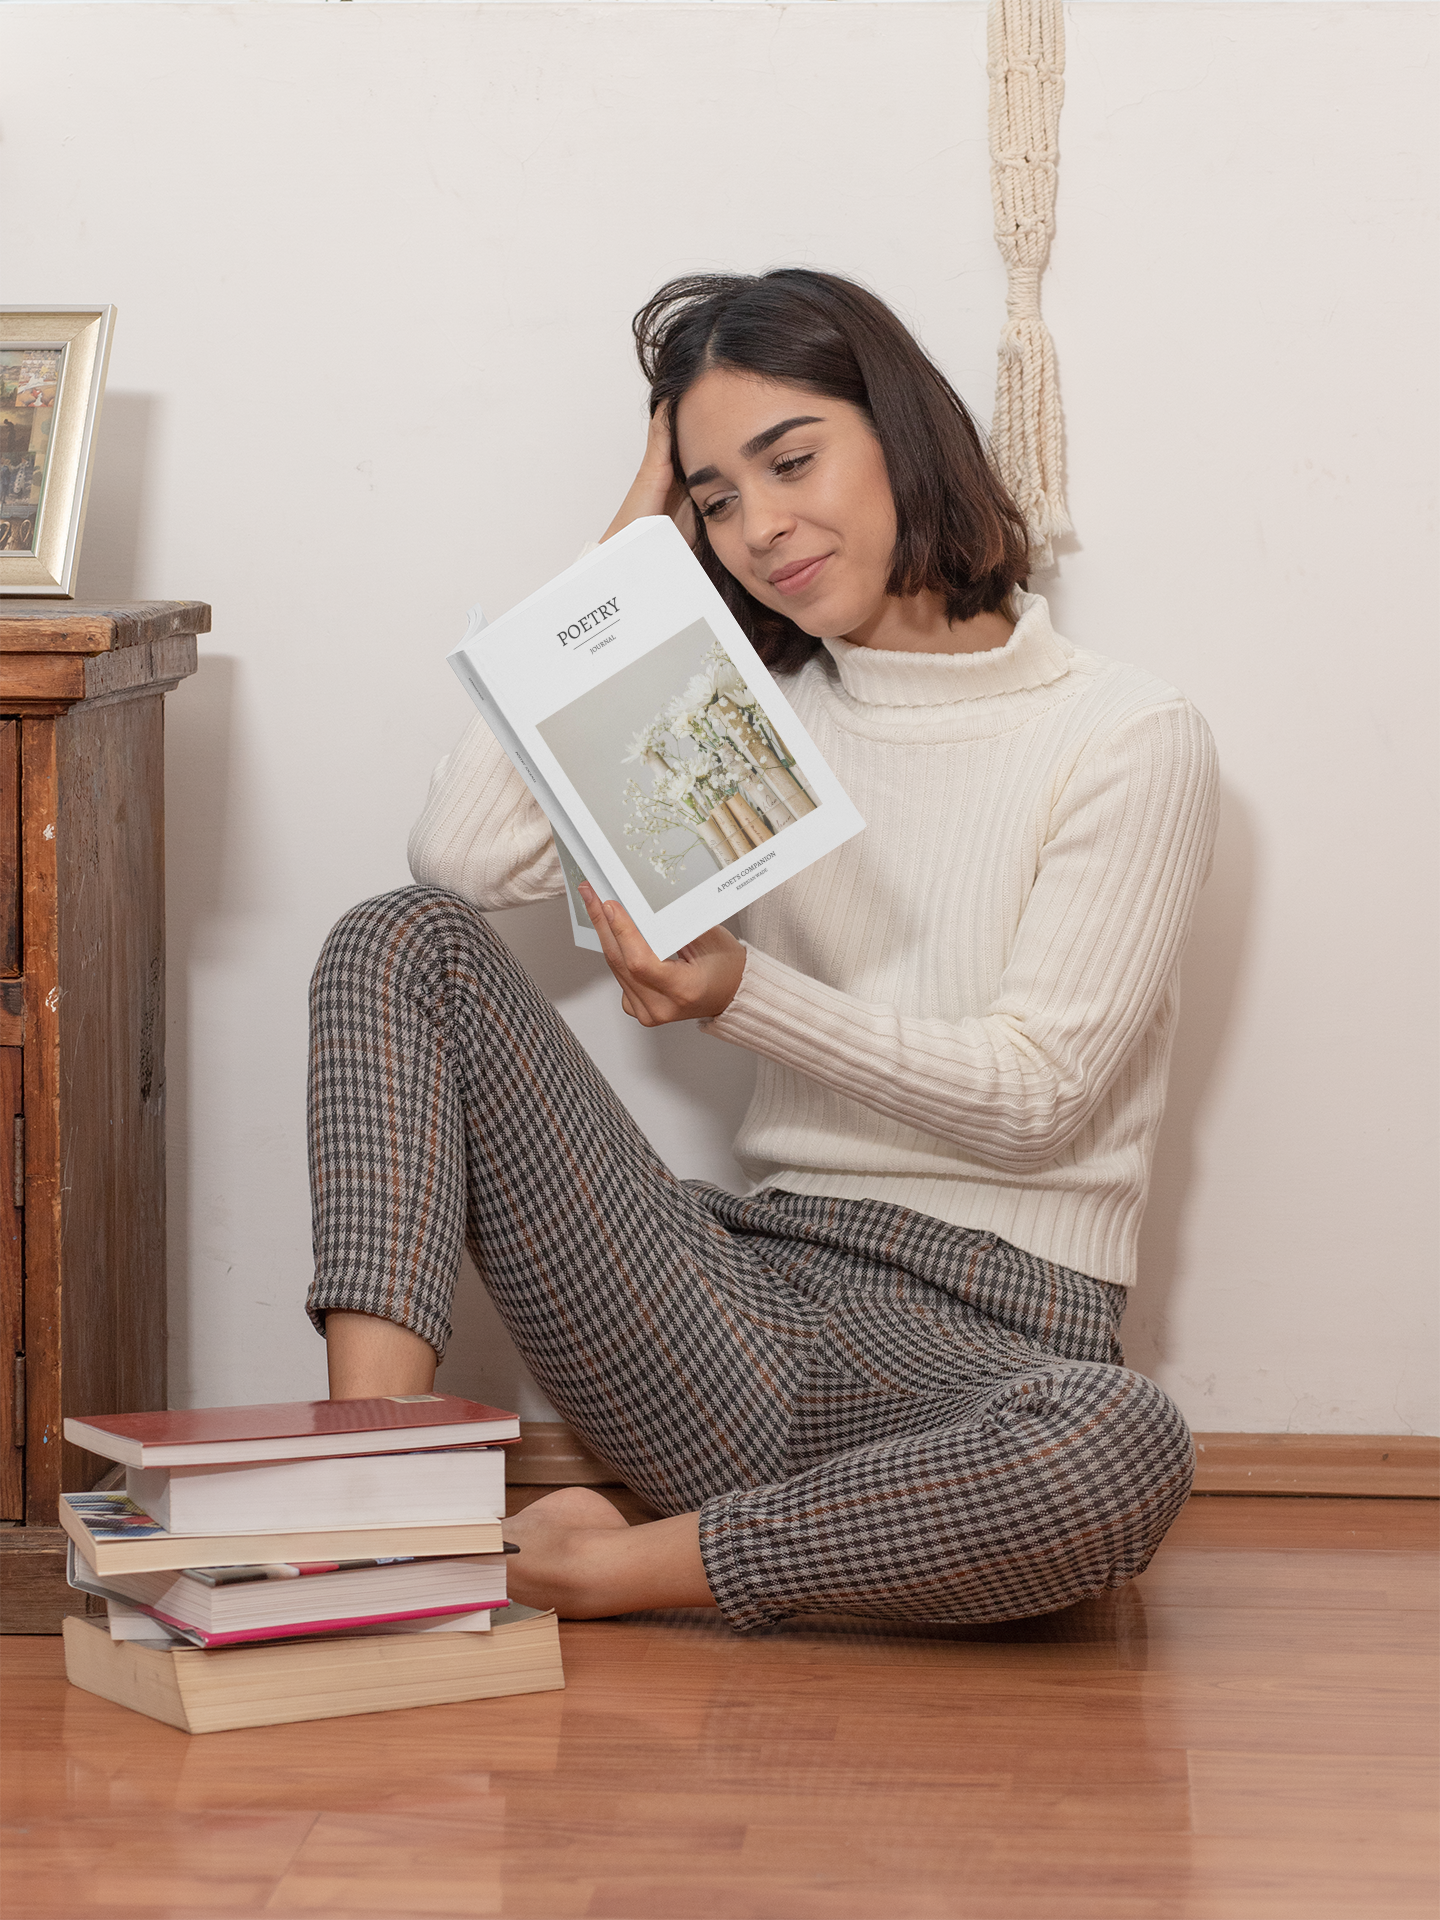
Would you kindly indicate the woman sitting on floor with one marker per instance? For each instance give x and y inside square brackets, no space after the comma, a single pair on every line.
[888,1381]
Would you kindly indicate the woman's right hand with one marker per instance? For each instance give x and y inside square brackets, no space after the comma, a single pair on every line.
[655,488]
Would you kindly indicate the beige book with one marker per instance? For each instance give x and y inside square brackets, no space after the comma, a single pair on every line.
[320,1679]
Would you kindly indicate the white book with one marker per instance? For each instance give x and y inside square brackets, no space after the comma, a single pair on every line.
[218,1606]
[675,774]
[444,1487]
[130,1622]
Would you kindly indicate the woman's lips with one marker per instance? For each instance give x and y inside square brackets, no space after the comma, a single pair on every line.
[798,575]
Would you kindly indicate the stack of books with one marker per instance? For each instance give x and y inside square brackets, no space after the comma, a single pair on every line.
[301,1561]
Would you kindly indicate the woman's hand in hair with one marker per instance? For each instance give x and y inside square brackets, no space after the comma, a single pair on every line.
[698,984]
[655,488]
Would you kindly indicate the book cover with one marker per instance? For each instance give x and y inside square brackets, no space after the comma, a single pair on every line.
[675,774]
[115,1536]
[291,1430]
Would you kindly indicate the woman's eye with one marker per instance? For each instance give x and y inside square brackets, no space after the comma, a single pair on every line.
[714,508]
[791,464]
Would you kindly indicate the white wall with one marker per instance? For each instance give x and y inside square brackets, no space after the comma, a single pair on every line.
[374,269]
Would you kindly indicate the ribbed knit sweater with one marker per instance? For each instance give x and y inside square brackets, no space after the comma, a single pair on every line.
[968,1008]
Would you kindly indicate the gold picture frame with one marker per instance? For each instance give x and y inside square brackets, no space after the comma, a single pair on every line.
[53,362]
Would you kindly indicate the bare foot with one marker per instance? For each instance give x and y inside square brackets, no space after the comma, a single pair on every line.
[550,1534]
[581,1557]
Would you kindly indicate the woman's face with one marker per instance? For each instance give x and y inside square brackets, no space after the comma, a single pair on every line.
[795,497]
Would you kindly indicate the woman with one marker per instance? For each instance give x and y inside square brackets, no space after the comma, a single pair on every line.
[887,1382]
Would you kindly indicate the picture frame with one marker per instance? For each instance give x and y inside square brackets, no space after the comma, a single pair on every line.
[53,362]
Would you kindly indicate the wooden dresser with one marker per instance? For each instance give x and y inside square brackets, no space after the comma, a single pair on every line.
[82,1052]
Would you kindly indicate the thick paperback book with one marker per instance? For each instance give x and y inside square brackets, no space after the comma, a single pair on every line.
[266,1685]
[676,776]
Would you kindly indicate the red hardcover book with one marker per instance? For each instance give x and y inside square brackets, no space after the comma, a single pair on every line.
[291,1430]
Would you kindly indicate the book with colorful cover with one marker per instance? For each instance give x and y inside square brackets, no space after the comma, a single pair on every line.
[184,1605]
[291,1430]
[676,776]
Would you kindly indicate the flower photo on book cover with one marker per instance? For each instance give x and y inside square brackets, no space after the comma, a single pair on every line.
[679,764]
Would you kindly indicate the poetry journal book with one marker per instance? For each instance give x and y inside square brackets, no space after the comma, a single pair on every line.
[674,773]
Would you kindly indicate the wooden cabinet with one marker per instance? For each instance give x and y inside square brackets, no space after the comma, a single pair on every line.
[82,1052]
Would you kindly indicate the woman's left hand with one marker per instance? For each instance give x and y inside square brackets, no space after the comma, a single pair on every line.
[698,984]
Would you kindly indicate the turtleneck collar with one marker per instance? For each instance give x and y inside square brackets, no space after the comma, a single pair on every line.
[1033,657]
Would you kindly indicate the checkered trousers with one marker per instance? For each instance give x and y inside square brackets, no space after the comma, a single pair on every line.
[874,1412]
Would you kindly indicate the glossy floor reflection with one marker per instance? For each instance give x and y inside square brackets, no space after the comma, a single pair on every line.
[1246,1732]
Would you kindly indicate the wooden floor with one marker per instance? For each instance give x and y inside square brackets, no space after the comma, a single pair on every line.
[1247,1732]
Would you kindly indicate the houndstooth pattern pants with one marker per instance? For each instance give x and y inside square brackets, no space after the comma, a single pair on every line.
[874,1412]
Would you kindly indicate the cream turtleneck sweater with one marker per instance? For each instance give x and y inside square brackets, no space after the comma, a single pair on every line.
[967,1009]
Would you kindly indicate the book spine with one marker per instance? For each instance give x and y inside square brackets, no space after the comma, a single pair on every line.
[508,739]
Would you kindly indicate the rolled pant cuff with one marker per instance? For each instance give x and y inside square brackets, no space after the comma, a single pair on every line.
[723,1530]
[351,1295]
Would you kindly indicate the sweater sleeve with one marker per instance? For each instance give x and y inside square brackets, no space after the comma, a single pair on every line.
[1101,933]
[481,833]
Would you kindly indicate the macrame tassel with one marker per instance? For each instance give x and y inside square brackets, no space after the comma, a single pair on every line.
[1027,86]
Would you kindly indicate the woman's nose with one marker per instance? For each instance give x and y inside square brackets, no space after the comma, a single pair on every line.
[766,521]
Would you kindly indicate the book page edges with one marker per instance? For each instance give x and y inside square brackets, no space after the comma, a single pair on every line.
[210,1692]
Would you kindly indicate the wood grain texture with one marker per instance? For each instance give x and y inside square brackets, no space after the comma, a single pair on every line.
[551,1454]
[39,838]
[12,1291]
[12,1013]
[50,680]
[9,847]
[1376,1466]
[111,935]
[34,1598]
[1403,1466]
[634,1508]
[40,626]
[84,1000]
[1245,1733]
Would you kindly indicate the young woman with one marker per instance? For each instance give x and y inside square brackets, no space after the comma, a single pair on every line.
[887,1381]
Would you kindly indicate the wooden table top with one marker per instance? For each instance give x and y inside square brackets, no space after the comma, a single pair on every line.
[86,626]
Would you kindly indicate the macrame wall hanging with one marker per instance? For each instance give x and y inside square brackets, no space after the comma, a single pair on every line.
[1027,85]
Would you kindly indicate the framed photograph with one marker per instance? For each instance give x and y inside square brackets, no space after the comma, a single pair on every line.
[52,376]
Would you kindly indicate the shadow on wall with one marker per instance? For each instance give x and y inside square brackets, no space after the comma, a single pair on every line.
[110,556]
[199,724]
[1209,981]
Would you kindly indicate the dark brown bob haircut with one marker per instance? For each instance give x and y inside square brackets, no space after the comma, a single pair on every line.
[959,534]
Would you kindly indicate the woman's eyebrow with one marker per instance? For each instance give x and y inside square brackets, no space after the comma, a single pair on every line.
[772,434]
[703,475]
